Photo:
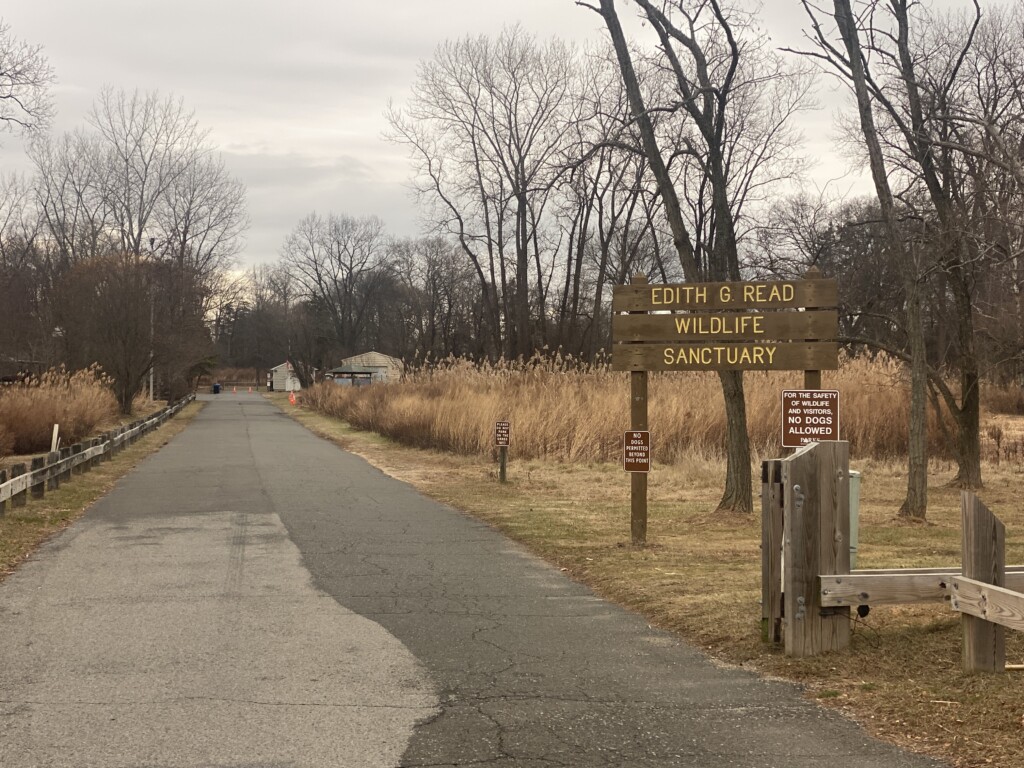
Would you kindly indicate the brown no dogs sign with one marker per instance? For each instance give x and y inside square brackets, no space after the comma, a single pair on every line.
[636,451]
[809,416]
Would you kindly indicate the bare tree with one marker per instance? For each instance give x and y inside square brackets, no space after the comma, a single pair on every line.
[486,127]
[70,196]
[339,263]
[738,99]
[143,182]
[25,80]
[941,100]
[149,142]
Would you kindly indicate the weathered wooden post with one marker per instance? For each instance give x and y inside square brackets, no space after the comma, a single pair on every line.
[815,483]
[37,488]
[19,499]
[52,475]
[76,450]
[65,454]
[771,550]
[638,423]
[3,502]
[984,547]
[812,379]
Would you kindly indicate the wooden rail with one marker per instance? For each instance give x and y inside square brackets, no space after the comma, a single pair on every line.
[998,605]
[899,586]
[47,472]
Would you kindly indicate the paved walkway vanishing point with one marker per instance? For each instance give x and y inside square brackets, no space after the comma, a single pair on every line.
[254,596]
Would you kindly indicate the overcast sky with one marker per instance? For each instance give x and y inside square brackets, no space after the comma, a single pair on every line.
[293,93]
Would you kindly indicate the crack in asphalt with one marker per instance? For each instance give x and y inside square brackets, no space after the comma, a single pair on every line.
[220,699]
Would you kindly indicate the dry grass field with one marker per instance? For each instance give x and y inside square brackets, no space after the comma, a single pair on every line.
[80,401]
[569,501]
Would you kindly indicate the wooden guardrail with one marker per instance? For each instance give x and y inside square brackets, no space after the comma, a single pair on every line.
[46,473]
[900,586]
[808,589]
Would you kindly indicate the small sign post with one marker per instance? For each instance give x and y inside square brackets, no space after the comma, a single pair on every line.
[809,416]
[502,439]
[638,423]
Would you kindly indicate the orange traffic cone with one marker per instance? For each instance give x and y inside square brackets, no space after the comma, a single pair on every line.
[291,397]
[234,390]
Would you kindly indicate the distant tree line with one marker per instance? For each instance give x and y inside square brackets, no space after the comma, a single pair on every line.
[116,249]
[546,174]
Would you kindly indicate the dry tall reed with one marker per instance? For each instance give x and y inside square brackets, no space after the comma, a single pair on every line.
[78,401]
[567,411]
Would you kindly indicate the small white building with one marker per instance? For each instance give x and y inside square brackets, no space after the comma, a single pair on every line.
[369,367]
[282,378]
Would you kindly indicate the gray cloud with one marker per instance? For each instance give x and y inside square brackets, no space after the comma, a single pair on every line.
[293,93]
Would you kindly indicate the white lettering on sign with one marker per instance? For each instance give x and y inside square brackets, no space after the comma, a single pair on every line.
[502,434]
[809,416]
[636,451]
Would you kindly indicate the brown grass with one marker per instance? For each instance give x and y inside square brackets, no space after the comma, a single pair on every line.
[568,412]
[78,401]
[700,577]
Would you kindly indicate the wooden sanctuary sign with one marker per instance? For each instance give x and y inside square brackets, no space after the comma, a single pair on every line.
[726,326]
[788,325]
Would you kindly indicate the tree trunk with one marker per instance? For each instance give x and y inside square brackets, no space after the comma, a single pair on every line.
[737,494]
[916,503]
[738,489]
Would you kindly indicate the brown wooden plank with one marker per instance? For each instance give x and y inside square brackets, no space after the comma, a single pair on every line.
[996,605]
[726,326]
[771,551]
[793,294]
[1012,571]
[900,586]
[984,542]
[745,356]
[884,589]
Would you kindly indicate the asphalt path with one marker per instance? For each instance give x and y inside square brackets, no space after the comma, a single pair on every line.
[254,596]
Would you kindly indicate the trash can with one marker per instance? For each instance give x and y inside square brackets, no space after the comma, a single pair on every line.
[216,389]
[854,515]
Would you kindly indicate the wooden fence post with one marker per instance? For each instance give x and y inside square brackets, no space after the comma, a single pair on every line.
[52,476]
[771,550]
[75,450]
[3,504]
[816,494]
[19,499]
[984,545]
[38,487]
[65,453]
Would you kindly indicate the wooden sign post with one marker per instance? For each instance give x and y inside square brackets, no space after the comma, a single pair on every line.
[502,439]
[638,423]
[732,326]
